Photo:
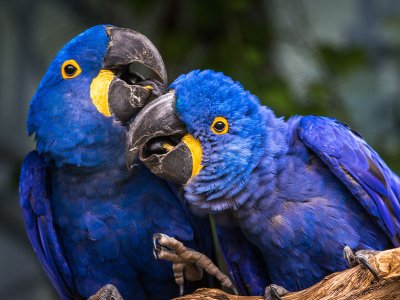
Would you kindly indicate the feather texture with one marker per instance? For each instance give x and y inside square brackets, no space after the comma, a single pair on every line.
[89,220]
[298,191]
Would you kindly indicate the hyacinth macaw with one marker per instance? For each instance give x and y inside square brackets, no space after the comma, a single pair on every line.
[299,190]
[88,219]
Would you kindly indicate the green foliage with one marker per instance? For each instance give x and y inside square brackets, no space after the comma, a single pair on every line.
[342,61]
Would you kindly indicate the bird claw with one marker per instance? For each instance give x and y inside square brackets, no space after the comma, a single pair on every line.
[186,263]
[160,248]
[360,258]
[162,251]
[275,292]
[107,292]
[156,245]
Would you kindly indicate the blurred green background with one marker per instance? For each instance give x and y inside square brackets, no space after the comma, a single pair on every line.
[335,58]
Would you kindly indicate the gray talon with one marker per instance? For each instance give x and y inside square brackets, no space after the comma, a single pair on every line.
[181,290]
[349,256]
[156,238]
[363,262]
[156,245]
[360,258]
[107,292]
[155,253]
[275,292]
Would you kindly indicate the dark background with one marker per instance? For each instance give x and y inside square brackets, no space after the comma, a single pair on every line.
[337,58]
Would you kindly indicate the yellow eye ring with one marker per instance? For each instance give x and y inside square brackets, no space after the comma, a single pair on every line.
[70,69]
[220,125]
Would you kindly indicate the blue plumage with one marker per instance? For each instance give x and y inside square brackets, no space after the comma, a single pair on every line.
[62,116]
[244,261]
[299,190]
[39,224]
[89,220]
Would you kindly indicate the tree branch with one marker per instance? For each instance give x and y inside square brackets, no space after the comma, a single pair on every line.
[355,283]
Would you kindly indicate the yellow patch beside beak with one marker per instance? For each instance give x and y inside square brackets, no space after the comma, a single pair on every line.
[99,91]
[194,146]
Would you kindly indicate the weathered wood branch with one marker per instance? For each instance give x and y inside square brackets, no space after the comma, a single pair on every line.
[355,283]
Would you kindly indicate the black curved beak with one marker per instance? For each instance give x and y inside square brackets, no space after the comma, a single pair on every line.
[160,140]
[140,73]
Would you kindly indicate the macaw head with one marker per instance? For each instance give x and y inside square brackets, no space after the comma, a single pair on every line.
[97,81]
[206,133]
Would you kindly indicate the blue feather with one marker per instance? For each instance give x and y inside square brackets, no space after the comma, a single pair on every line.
[88,219]
[39,224]
[243,260]
[366,169]
[299,190]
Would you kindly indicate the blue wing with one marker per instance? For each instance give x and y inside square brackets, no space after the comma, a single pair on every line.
[359,167]
[243,261]
[35,204]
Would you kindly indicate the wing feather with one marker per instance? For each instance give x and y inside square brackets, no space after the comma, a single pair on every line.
[243,261]
[35,204]
[359,167]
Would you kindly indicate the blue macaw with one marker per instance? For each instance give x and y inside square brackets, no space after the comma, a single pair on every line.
[88,219]
[299,190]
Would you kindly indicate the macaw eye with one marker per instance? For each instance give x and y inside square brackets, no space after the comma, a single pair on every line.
[220,125]
[70,69]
